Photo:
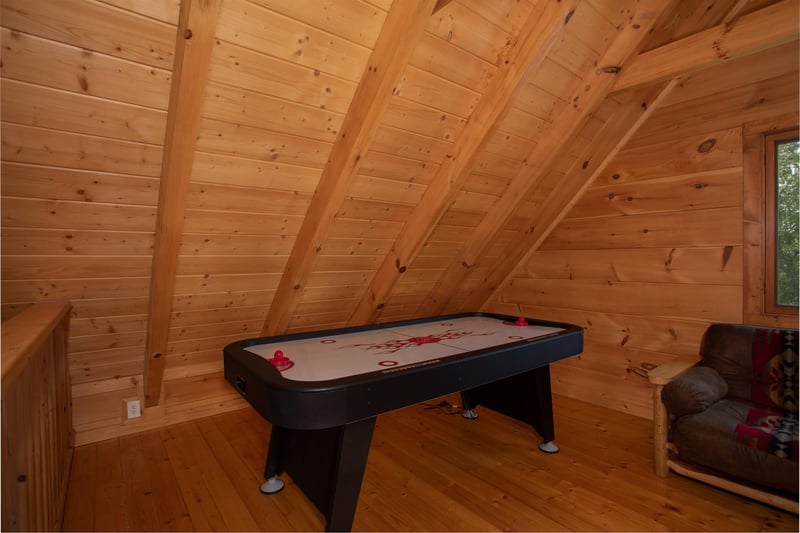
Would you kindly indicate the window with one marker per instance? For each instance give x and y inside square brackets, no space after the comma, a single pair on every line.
[782,199]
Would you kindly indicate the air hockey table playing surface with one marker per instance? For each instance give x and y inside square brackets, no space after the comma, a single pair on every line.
[337,356]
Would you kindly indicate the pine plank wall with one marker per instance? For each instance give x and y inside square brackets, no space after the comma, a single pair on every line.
[653,251]
[644,257]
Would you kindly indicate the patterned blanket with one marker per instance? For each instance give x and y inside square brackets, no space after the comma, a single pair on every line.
[772,426]
[774,358]
[770,431]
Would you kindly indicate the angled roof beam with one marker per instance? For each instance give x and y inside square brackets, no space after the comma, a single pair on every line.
[404,26]
[195,39]
[613,136]
[543,28]
[763,29]
[440,4]
[548,151]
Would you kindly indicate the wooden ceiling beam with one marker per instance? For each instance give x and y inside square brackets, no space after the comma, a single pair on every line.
[440,4]
[195,39]
[739,37]
[613,136]
[543,28]
[403,28]
[554,141]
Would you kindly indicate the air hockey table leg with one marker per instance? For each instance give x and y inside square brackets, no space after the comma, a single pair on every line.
[272,485]
[326,464]
[469,407]
[542,416]
[274,464]
[549,447]
[526,397]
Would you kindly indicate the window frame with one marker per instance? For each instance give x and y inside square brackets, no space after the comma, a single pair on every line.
[755,307]
[771,139]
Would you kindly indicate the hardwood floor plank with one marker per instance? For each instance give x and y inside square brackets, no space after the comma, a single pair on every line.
[154,501]
[426,471]
[200,504]
[246,483]
[79,510]
[393,489]
[186,443]
[521,475]
[109,488]
[248,434]
[500,507]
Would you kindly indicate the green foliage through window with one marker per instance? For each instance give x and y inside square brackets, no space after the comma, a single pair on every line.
[787,232]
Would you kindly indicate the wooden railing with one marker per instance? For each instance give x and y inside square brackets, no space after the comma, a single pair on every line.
[37,437]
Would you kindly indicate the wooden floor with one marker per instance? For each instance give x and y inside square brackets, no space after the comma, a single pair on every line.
[427,471]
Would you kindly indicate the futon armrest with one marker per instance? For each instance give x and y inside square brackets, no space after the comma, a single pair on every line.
[686,388]
[660,376]
[693,391]
[663,374]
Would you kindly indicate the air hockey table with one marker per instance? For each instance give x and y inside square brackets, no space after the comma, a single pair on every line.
[323,390]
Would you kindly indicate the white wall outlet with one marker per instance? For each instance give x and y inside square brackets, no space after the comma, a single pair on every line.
[134,408]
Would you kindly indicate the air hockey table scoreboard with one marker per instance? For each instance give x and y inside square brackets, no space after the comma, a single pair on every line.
[322,391]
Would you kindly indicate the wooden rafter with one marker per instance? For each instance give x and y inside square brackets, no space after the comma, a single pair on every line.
[440,4]
[766,28]
[614,135]
[195,40]
[401,31]
[543,28]
[548,151]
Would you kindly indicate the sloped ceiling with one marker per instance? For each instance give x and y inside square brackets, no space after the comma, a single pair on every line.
[345,162]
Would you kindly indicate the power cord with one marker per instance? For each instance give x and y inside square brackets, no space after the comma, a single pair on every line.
[445,407]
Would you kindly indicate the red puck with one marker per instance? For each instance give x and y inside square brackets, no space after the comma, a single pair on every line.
[280,361]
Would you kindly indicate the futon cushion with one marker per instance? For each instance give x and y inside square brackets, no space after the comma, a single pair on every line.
[709,438]
[693,391]
[726,348]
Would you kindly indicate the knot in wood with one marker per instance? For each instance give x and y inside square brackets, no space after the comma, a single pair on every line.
[706,145]
[615,69]
[187,34]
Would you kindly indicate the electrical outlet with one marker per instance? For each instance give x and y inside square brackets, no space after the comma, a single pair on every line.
[134,408]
